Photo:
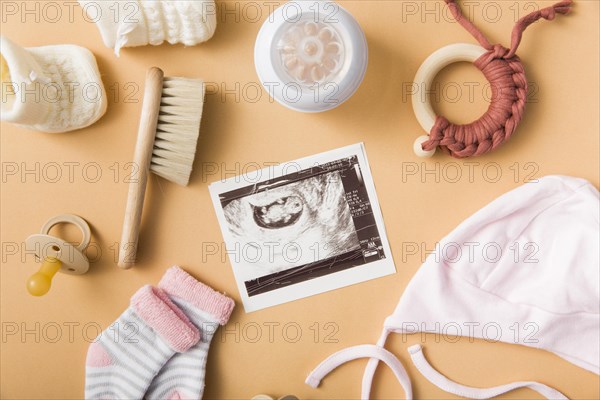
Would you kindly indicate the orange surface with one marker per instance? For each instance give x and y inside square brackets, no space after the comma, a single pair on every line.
[259,352]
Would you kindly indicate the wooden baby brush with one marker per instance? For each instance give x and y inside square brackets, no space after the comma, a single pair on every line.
[166,145]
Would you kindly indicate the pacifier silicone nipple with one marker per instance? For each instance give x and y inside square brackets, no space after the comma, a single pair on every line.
[311,52]
[40,282]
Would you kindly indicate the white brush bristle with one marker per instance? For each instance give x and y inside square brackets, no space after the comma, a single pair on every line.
[178,129]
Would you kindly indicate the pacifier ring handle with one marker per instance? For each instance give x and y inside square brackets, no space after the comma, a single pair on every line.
[70,219]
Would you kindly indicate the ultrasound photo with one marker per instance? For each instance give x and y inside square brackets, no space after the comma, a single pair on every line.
[296,234]
[306,221]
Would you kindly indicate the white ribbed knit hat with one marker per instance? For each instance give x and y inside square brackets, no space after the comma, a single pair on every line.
[528,261]
[130,23]
[51,88]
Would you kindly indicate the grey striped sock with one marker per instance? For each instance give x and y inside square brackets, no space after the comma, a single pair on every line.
[125,358]
[182,377]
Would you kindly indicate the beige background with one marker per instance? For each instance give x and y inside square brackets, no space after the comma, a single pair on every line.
[559,135]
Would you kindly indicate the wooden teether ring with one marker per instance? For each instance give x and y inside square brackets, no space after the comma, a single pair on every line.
[421,100]
[501,67]
[509,91]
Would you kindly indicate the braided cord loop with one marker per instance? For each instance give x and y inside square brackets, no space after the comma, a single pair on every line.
[506,74]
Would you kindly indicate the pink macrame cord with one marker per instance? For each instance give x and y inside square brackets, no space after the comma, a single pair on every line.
[506,74]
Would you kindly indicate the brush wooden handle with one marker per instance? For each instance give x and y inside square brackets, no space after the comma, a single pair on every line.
[141,167]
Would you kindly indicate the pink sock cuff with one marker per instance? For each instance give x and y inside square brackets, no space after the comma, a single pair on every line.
[168,321]
[177,282]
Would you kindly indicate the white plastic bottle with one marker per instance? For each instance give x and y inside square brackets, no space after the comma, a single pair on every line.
[311,56]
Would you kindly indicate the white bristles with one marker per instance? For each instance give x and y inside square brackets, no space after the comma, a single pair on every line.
[178,129]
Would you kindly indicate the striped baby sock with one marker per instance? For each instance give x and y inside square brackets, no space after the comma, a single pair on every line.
[124,358]
[182,377]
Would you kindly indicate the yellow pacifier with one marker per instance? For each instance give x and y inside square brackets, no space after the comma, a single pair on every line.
[57,254]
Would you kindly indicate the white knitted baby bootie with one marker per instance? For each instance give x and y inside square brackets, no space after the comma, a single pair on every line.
[51,88]
[130,23]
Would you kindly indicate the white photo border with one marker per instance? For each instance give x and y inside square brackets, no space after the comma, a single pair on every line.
[337,280]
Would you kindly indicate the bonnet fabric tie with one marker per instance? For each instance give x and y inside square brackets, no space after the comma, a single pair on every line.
[478,284]
[506,75]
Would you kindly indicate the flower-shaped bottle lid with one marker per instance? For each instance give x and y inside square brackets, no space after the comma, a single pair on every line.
[311,56]
[311,52]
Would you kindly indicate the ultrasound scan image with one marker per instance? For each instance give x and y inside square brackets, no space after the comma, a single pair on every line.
[291,225]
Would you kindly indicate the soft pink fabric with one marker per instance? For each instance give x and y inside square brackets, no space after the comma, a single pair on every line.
[529,261]
[175,396]
[553,281]
[506,74]
[165,297]
[178,283]
[162,315]
[554,286]
[97,356]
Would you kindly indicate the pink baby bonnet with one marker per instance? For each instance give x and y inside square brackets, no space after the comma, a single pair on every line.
[530,258]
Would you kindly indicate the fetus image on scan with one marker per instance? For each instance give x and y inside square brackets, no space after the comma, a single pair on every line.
[291,225]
